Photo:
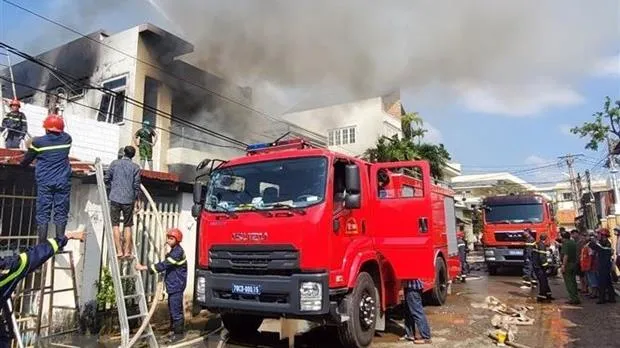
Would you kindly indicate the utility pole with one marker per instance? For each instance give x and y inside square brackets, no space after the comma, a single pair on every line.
[570,160]
[612,176]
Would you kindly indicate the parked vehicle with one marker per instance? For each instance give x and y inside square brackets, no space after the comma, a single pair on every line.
[300,232]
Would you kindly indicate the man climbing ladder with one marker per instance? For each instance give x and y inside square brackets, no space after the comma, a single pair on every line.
[17,267]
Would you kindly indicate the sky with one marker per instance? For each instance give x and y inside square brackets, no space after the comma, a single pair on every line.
[496,109]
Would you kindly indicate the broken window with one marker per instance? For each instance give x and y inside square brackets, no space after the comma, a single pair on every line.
[112,106]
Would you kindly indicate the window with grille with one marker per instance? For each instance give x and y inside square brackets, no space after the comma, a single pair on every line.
[341,136]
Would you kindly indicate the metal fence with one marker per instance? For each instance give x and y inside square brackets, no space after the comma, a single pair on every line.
[148,239]
[18,232]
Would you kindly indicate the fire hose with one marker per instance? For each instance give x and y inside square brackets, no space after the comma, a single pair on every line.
[160,283]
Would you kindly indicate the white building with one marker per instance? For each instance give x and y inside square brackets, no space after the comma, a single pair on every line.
[353,127]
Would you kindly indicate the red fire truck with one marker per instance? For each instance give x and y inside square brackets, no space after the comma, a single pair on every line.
[505,218]
[301,232]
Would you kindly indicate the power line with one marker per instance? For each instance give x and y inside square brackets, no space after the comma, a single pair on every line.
[125,118]
[226,98]
[126,98]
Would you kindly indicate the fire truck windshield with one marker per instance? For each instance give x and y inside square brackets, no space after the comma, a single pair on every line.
[514,213]
[278,184]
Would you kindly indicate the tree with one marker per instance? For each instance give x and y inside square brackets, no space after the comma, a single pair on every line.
[410,147]
[605,122]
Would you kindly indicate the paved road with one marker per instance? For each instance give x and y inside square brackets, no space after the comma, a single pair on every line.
[459,324]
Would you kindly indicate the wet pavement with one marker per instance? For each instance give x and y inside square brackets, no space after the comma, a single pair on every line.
[459,324]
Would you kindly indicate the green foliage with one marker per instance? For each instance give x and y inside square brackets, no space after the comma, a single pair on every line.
[105,289]
[477,221]
[605,121]
[410,147]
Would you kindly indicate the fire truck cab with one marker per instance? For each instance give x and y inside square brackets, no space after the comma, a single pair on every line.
[300,232]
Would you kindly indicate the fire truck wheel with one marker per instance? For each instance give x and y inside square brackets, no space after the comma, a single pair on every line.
[239,325]
[439,294]
[361,308]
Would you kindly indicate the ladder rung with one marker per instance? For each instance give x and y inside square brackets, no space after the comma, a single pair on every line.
[131,317]
[61,290]
[133,296]
[65,307]
[62,345]
[62,268]
[129,276]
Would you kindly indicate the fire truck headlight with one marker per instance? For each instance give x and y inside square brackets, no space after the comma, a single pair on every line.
[310,295]
[489,253]
[201,285]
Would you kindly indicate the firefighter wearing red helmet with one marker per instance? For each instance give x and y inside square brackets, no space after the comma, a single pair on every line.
[175,268]
[15,124]
[52,174]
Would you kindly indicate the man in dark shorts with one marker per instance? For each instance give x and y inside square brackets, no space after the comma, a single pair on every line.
[123,182]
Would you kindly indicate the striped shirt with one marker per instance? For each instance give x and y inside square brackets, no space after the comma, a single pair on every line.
[123,181]
[415,284]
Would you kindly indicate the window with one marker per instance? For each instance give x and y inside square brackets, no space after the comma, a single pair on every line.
[151,87]
[400,182]
[341,136]
[277,184]
[112,106]
[514,213]
[567,196]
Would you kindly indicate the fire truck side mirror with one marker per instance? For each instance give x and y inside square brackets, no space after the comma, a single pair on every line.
[198,193]
[352,179]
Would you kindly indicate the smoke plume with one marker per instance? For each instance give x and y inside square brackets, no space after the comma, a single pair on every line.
[368,47]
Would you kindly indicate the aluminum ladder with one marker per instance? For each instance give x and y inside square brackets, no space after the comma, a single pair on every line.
[117,277]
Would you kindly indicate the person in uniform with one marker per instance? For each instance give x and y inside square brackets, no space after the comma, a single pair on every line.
[145,139]
[604,252]
[15,125]
[540,263]
[15,268]
[175,266]
[529,278]
[462,248]
[52,174]
[569,267]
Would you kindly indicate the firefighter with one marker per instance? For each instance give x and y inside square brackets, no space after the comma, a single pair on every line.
[529,279]
[145,139]
[175,266]
[15,125]
[52,174]
[604,254]
[540,262]
[462,248]
[15,268]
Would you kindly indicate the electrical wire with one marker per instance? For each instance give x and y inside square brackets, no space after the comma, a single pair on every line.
[127,119]
[164,71]
[126,98]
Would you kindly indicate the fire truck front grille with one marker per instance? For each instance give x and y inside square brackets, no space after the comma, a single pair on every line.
[254,259]
[515,236]
[264,298]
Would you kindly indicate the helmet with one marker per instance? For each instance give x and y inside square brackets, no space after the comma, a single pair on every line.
[604,232]
[15,102]
[54,123]
[146,123]
[176,234]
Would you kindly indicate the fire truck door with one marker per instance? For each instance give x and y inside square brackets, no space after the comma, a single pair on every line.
[402,219]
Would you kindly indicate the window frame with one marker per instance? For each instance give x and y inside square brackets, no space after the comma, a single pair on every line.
[109,115]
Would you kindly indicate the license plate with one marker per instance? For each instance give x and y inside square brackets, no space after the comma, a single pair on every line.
[245,289]
[515,252]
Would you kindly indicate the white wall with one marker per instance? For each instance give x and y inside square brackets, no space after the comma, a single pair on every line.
[367,115]
[91,139]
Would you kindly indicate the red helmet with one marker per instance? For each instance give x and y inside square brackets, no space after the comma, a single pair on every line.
[54,123]
[604,232]
[15,102]
[176,234]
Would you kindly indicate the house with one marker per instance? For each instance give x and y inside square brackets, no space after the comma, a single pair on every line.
[197,114]
[352,127]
